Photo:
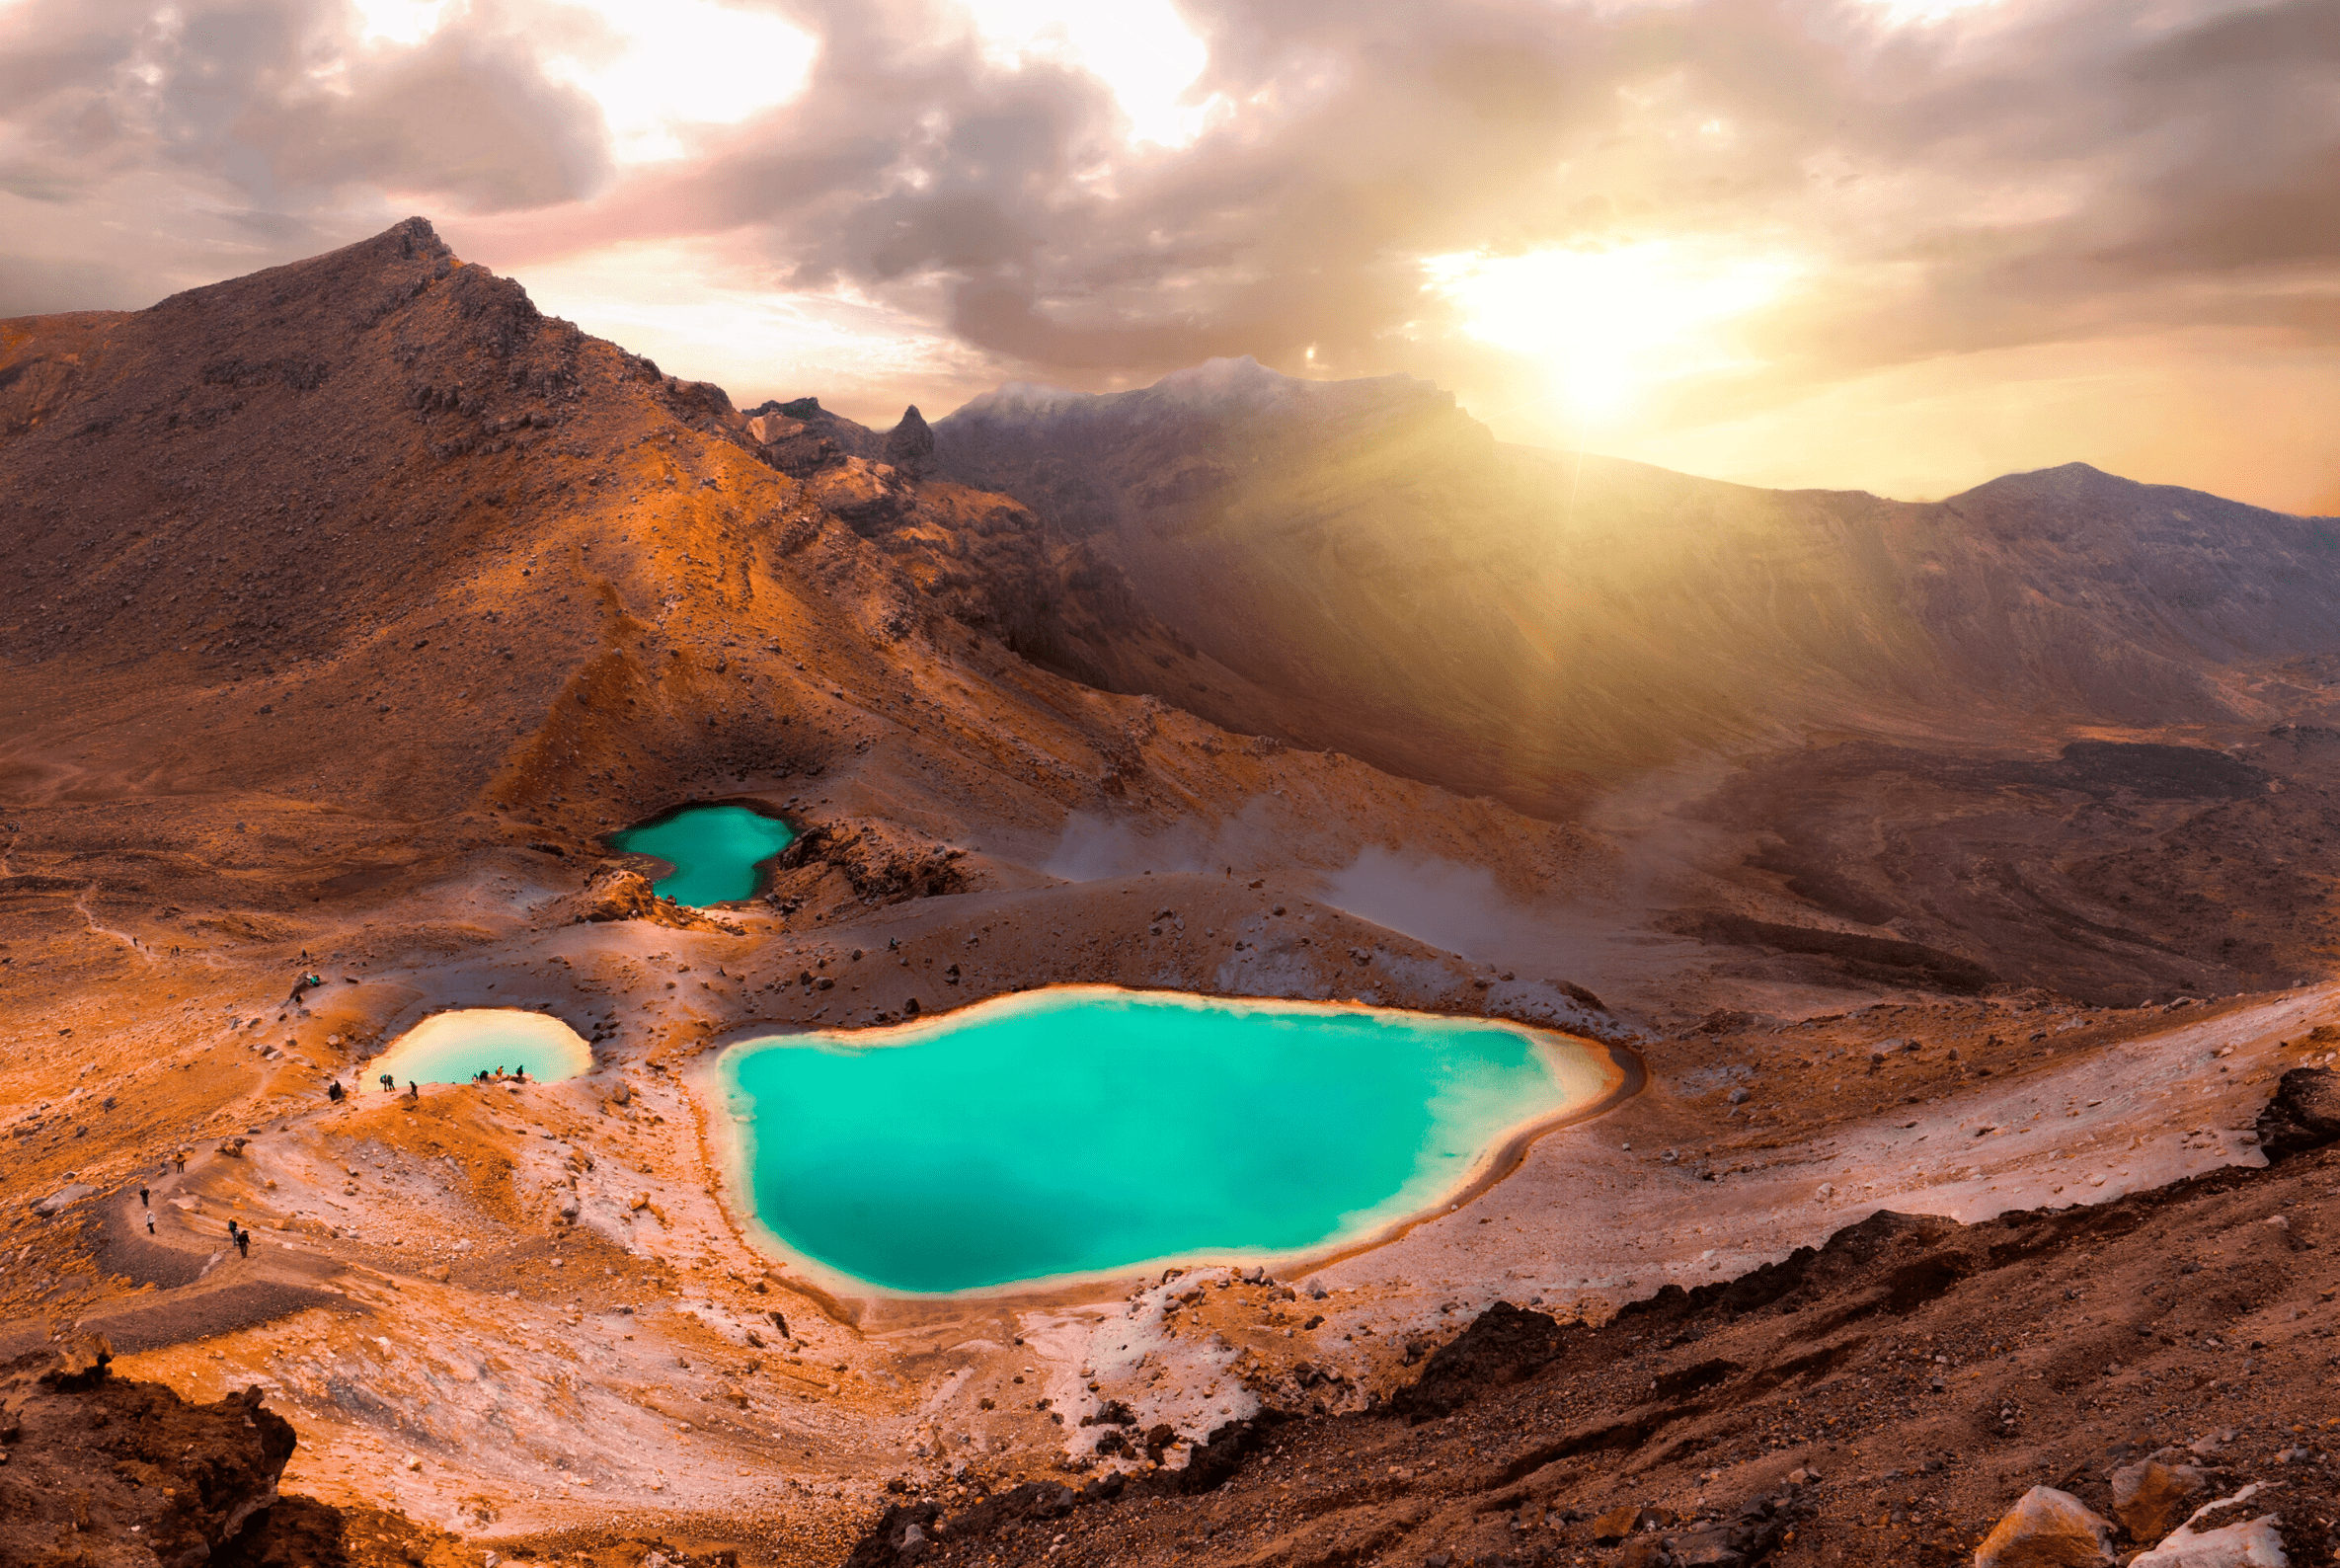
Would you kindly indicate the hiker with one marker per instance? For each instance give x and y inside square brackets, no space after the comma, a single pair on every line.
[413,1090]
[179,1158]
[333,1091]
[150,1221]
[389,1085]
[520,1073]
[142,1202]
[243,1243]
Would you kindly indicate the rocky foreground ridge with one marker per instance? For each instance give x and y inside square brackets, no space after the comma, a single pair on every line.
[2059,1386]
[99,1471]
[104,1471]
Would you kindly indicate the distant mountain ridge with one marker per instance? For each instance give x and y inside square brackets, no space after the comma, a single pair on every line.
[1541,626]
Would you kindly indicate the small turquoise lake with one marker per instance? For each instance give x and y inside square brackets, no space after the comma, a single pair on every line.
[1091,1130]
[717,851]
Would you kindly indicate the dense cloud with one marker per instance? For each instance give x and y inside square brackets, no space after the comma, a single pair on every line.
[2021,173]
[272,102]
[2037,173]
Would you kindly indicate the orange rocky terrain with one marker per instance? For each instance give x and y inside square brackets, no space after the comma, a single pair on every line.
[360,602]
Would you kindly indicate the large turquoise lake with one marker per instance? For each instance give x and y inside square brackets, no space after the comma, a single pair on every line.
[717,851]
[1086,1129]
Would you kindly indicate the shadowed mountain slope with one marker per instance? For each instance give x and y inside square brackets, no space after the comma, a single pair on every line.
[1542,625]
[312,560]
[333,578]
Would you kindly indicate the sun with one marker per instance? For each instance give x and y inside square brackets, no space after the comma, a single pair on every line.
[1605,325]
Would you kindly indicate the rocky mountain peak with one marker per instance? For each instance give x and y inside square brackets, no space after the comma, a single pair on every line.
[909,445]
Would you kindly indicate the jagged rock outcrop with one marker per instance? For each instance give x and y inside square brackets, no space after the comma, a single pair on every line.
[2304,1114]
[621,893]
[109,1473]
[880,862]
[1503,1345]
[909,445]
[801,438]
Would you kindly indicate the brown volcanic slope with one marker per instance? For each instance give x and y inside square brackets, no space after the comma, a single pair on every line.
[1881,1399]
[2111,872]
[357,600]
[1368,554]
[335,575]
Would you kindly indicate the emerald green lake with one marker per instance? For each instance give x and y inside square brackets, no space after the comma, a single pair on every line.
[1086,1129]
[715,850]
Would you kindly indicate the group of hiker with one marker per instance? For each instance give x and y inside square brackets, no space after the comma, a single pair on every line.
[241,1236]
[414,1091]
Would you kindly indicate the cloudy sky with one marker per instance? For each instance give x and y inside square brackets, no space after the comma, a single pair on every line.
[1902,245]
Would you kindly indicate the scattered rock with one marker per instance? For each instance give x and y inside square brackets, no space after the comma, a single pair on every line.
[2048,1528]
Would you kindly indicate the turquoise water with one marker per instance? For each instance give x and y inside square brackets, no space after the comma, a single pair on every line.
[1087,1130]
[453,1047]
[714,849]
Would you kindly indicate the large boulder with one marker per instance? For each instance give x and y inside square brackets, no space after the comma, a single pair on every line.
[2149,1498]
[2048,1528]
[2304,1114]
[62,1199]
[2214,1537]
